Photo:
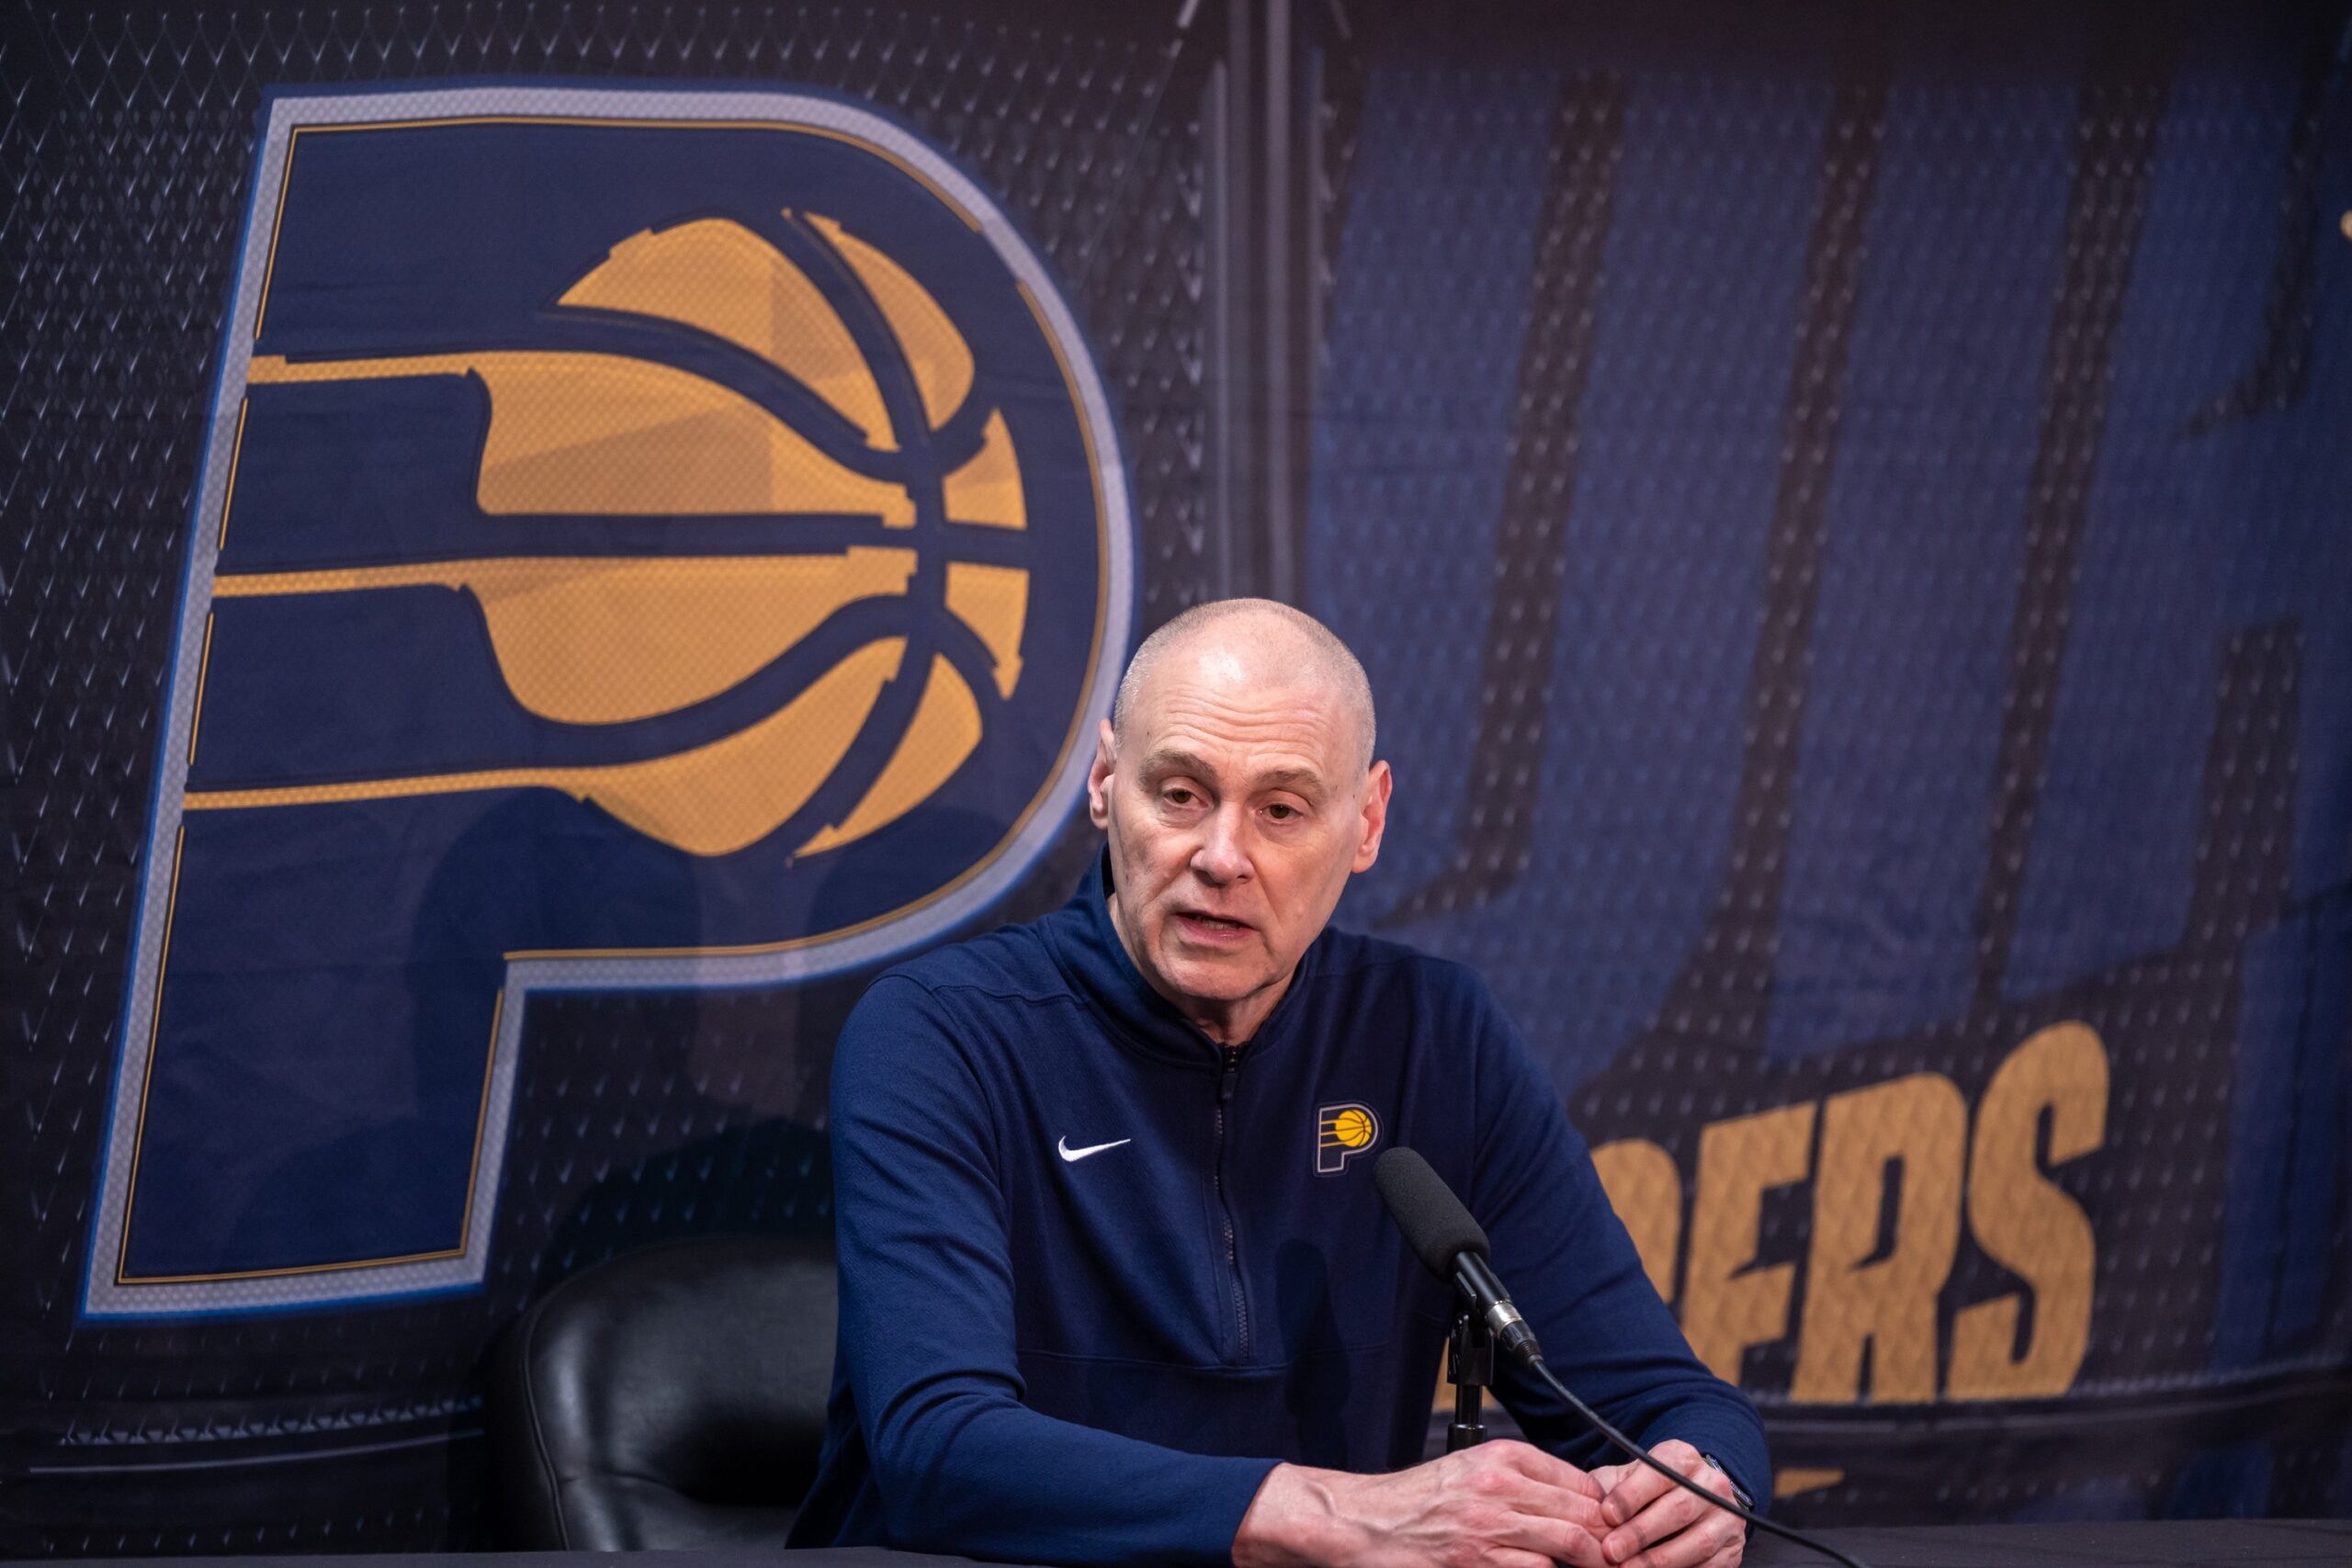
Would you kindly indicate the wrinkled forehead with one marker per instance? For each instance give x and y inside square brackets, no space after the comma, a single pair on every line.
[1246,708]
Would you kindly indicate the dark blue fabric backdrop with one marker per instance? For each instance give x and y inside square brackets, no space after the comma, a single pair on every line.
[1845,513]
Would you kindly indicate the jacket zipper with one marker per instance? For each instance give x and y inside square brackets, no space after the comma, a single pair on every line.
[1232,1248]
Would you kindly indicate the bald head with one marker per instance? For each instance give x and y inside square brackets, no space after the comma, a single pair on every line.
[1257,633]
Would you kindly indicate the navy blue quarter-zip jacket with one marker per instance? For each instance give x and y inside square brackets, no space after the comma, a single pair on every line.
[1099,1274]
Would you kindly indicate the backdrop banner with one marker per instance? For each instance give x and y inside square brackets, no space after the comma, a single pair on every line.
[546,542]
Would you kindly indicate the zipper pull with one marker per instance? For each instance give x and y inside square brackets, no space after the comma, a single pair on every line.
[1232,1065]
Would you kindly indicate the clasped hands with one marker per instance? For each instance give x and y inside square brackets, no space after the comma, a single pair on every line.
[1500,1504]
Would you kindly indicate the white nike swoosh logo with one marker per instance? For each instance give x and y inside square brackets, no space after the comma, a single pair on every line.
[1074,1156]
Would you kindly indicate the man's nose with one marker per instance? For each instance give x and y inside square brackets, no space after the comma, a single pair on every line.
[1221,856]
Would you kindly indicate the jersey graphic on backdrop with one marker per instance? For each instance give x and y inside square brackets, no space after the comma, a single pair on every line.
[651,538]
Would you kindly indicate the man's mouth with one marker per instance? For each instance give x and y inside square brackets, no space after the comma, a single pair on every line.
[1210,927]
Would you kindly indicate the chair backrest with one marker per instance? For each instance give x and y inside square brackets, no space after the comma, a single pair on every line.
[672,1397]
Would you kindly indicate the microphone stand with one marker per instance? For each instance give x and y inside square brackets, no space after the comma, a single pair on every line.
[1470,1363]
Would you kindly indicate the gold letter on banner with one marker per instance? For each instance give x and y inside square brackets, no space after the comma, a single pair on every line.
[1724,1311]
[1853,1295]
[1646,1191]
[2024,1221]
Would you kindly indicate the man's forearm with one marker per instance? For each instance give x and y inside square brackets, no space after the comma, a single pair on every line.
[981,1476]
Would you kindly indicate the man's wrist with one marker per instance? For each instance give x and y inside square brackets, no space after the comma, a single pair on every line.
[1738,1493]
[1295,1520]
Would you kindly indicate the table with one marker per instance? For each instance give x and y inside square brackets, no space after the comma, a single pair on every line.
[2241,1543]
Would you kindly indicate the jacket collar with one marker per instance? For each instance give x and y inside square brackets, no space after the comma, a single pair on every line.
[1087,947]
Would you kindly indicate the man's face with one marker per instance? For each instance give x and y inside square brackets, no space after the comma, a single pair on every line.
[1236,807]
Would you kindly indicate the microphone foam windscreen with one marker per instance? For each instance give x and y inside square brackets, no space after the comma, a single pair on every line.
[1435,1223]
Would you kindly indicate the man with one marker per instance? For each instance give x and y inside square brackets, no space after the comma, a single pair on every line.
[1116,1287]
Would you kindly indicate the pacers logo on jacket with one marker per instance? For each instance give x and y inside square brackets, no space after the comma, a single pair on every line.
[649,538]
[1341,1132]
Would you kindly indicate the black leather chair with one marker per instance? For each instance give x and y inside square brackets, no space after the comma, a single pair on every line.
[669,1398]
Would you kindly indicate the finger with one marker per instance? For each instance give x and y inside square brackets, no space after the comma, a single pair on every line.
[1705,1543]
[1559,1540]
[1642,1485]
[1669,1516]
[1541,1500]
[1550,1469]
[1529,1482]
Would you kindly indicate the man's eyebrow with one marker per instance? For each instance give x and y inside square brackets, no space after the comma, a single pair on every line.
[1167,760]
[1305,781]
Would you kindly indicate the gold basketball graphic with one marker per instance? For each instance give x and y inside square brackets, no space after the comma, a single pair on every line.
[1353,1128]
[613,640]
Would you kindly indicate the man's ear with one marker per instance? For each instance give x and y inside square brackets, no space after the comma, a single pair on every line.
[1098,777]
[1376,786]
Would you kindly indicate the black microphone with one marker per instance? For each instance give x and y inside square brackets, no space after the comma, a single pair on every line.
[1449,1241]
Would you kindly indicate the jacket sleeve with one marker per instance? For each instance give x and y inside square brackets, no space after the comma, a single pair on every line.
[1572,1270]
[962,1465]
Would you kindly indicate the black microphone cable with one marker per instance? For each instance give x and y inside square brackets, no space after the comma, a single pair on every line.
[1453,1247]
[1535,1364]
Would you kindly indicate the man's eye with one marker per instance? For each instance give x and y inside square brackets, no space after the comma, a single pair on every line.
[1176,795]
[1281,813]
